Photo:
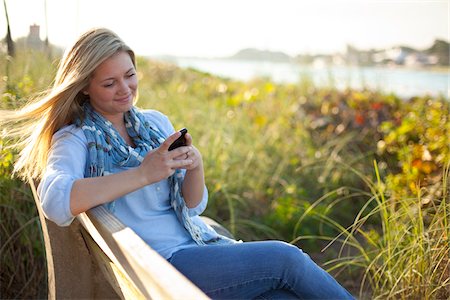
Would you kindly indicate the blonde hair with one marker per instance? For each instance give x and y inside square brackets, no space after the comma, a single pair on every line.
[35,123]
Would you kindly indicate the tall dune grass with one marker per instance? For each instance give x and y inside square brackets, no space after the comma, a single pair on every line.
[404,253]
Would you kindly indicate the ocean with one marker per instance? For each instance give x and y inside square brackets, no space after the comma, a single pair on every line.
[404,82]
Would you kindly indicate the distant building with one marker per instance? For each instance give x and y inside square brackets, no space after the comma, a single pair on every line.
[338,59]
[357,57]
[397,55]
[394,55]
[33,40]
[420,59]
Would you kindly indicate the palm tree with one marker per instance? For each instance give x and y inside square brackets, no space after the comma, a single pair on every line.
[9,40]
[46,42]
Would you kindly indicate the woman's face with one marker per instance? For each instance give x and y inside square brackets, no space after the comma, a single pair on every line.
[113,86]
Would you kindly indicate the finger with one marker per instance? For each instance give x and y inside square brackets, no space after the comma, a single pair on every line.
[179,152]
[183,156]
[166,144]
[188,139]
[179,164]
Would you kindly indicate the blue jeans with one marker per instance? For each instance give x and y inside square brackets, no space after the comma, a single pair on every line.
[256,270]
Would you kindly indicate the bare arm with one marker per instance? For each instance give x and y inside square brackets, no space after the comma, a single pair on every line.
[194,180]
[193,186]
[90,192]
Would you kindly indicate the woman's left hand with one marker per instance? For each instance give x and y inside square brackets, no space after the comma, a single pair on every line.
[192,154]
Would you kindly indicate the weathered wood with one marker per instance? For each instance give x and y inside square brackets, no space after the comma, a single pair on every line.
[72,273]
[153,276]
[120,281]
[99,257]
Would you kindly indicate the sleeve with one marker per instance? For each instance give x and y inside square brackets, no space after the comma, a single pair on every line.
[65,164]
[200,208]
[163,123]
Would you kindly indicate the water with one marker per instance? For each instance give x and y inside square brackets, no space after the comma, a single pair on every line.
[403,82]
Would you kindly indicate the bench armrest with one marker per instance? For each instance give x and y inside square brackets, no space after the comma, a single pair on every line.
[152,275]
[97,241]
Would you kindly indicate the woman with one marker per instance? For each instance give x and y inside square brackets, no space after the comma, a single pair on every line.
[90,146]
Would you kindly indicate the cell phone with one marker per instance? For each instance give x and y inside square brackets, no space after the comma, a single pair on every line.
[180,141]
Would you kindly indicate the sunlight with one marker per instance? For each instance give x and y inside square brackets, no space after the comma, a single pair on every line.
[219,28]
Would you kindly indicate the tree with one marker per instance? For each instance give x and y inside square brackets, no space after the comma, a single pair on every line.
[9,41]
[441,49]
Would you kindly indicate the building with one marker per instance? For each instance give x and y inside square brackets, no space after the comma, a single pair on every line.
[33,40]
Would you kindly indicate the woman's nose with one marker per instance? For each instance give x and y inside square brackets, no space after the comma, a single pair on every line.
[123,88]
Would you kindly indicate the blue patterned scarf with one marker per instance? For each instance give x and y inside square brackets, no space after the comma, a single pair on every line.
[107,148]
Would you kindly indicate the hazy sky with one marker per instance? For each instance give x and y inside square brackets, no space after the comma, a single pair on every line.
[222,27]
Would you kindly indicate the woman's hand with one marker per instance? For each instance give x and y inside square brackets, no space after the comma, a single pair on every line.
[192,154]
[161,163]
[157,165]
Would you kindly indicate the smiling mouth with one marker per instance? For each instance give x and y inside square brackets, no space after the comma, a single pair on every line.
[125,99]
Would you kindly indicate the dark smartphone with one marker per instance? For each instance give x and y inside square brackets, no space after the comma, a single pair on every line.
[181,141]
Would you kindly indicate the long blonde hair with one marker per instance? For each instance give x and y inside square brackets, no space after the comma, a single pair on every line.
[35,123]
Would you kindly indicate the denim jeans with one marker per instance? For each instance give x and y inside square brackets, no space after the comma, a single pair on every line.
[256,270]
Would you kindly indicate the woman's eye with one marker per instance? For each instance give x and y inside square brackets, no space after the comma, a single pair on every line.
[108,85]
[131,74]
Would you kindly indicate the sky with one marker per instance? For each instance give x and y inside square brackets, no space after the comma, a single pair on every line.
[217,28]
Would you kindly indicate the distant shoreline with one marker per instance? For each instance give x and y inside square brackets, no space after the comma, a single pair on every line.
[404,81]
[173,59]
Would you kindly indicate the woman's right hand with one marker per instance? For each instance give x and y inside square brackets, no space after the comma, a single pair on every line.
[160,163]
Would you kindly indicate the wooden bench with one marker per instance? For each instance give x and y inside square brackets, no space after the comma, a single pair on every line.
[98,257]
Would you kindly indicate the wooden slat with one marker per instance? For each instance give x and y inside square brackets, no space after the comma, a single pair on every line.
[132,268]
[120,282]
[153,276]
[72,271]
[48,250]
